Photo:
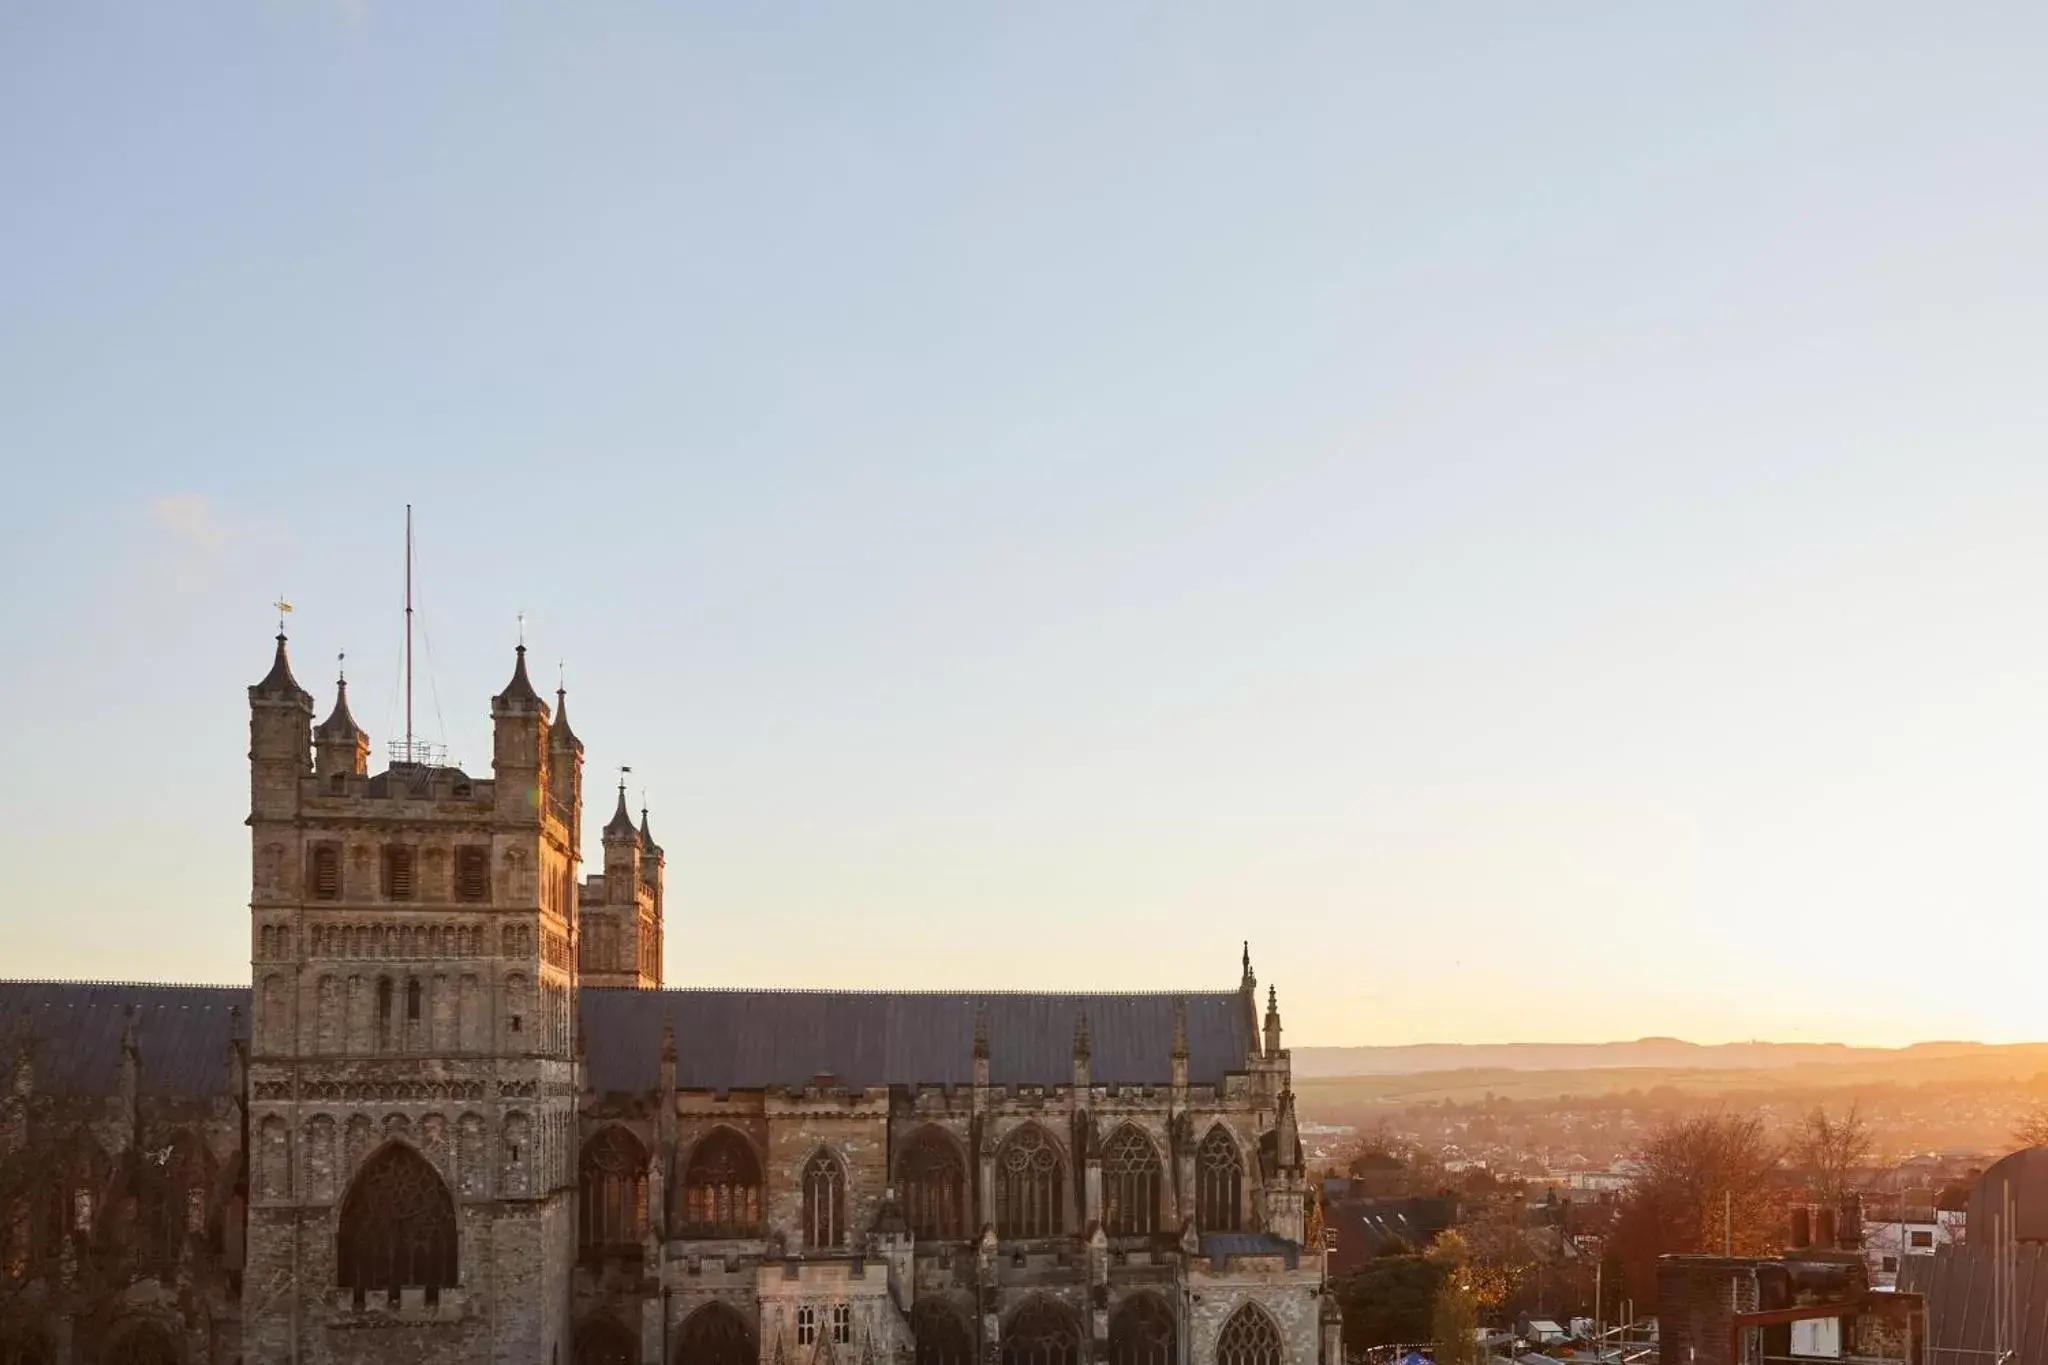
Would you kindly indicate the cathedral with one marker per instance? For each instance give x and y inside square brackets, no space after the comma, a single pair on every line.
[456,1117]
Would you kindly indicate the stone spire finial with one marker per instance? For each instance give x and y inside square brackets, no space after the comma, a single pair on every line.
[560,736]
[647,844]
[1249,984]
[519,692]
[1272,1021]
[1288,1134]
[279,684]
[620,826]
[340,726]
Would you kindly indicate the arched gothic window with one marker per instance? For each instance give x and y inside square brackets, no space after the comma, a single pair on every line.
[1030,1182]
[614,1192]
[1249,1338]
[397,1228]
[715,1335]
[934,1187]
[1219,1183]
[1041,1333]
[1130,1184]
[601,1341]
[142,1344]
[824,1201]
[722,1188]
[1141,1332]
[942,1338]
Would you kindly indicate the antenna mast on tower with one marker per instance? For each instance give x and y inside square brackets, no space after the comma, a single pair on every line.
[408,632]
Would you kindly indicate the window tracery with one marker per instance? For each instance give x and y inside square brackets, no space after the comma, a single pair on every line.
[1130,1184]
[1249,1338]
[934,1185]
[1219,1183]
[397,1229]
[1030,1182]
[824,1201]
[1141,1332]
[722,1188]
[1041,1333]
[614,1195]
[715,1335]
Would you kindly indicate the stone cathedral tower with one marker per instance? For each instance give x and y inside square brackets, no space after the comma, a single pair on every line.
[412,1072]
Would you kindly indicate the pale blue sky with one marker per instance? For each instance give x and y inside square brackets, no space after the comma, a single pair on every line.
[1532,513]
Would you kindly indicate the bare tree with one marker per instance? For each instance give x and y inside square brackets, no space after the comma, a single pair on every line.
[1825,1150]
[1705,1185]
[2033,1129]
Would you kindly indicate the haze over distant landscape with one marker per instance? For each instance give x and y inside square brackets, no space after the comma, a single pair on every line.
[1672,1053]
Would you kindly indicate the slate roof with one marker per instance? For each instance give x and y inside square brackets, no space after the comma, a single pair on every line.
[1960,1284]
[725,1039]
[1219,1246]
[743,1039]
[182,1033]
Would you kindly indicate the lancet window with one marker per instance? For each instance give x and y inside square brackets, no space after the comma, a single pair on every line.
[824,1201]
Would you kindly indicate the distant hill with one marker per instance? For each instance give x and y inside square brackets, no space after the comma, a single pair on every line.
[1670,1054]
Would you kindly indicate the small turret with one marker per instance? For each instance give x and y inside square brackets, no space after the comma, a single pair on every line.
[621,854]
[1272,1023]
[519,757]
[280,739]
[339,744]
[565,764]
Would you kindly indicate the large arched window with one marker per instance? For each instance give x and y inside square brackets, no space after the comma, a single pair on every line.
[715,1335]
[942,1338]
[1030,1182]
[934,1186]
[722,1188]
[601,1341]
[1249,1338]
[1219,1183]
[144,1343]
[1041,1333]
[1130,1184]
[824,1201]
[397,1228]
[614,1192]
[1141,1332]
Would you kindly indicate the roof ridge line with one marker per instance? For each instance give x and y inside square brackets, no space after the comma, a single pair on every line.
[922,991]
[117,981]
